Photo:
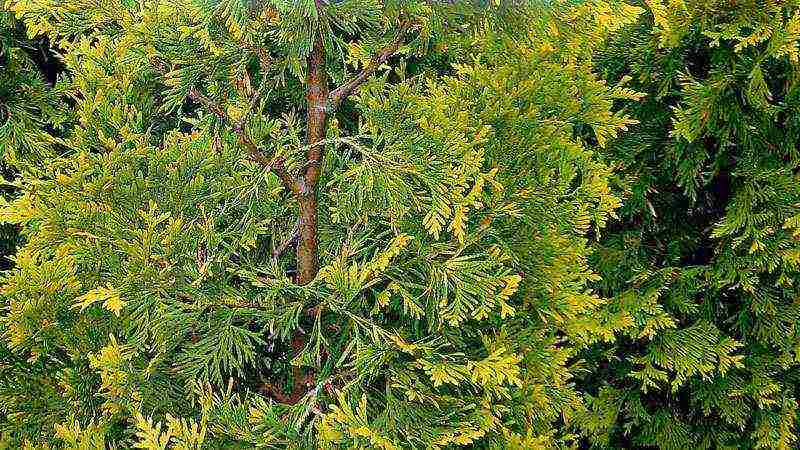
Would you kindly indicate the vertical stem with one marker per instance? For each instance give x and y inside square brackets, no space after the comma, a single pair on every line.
[308,244]
[307,259]
[317,99]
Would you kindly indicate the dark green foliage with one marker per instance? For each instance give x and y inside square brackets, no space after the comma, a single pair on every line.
[28,109]
[705,259]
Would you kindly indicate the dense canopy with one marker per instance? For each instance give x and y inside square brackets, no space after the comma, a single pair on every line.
[418,224]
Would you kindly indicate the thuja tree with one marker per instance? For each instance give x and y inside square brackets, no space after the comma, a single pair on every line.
[705,260]
[354,224]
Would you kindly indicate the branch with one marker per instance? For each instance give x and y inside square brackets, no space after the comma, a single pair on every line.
[342,92]
[250,106]
[209,104]
[275,164]
[285,244]
[189,300]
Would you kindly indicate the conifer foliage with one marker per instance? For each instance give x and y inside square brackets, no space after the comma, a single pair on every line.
[26,66]
[308,224]
[704,263]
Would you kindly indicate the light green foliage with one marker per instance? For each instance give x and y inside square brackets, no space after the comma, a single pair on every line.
[460,189]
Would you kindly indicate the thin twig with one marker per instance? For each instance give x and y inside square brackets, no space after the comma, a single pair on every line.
[251,106]
[292,238]
[342,92]
[275,164]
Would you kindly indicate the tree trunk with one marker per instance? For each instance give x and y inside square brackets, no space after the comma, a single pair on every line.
[308,243]
[317,98]
[307,259]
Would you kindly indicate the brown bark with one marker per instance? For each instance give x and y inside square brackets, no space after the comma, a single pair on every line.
[317,117]
[307,258]
[307,245]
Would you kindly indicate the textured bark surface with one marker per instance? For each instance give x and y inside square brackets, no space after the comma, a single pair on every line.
[307,258]
[307,245]
[317,99]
